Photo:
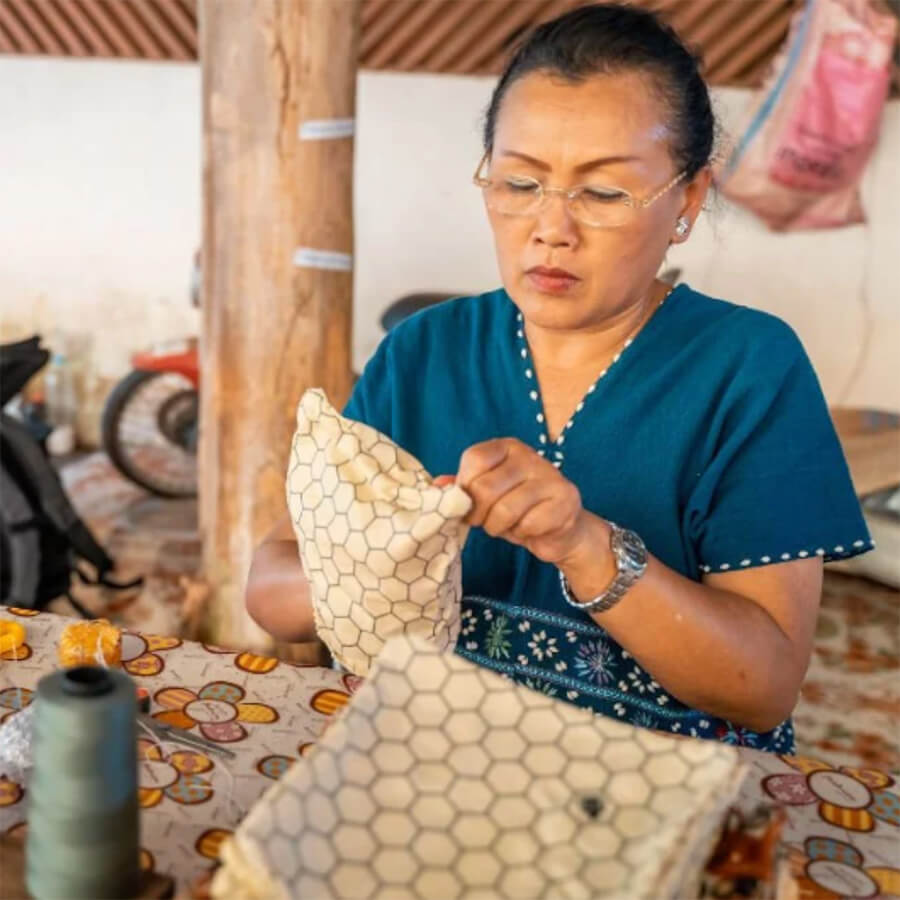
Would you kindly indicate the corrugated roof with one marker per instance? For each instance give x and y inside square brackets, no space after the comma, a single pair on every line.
[131,29]
[736,38]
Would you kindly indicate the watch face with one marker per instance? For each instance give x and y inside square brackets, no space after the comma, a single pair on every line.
[634,552]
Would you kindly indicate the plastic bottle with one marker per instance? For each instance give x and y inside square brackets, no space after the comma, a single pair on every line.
[61,405]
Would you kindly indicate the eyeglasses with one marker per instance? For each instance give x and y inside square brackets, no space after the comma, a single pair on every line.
[596,205]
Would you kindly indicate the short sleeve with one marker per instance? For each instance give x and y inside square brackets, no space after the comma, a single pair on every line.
[371,400]
[777,486]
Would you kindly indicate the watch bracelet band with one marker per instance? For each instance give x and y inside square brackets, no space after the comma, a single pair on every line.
[608,598]
[602,603]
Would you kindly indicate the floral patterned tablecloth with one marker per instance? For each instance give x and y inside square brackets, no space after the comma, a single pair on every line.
[842,834]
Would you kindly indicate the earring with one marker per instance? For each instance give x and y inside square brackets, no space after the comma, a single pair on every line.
[682,227]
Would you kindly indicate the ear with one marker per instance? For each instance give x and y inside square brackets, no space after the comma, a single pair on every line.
[694,196]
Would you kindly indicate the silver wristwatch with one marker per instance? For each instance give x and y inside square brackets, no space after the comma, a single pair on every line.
[631,561]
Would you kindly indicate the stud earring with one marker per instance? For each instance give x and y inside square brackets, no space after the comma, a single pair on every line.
[682,227]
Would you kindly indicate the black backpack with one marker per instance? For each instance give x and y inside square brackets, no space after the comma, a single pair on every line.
[42,539]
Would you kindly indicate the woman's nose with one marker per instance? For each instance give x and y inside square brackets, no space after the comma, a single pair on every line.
[554,225]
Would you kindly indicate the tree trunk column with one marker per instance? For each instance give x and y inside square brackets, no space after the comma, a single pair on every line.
[279,85]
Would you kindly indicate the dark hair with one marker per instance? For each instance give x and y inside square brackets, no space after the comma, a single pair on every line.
[608,38]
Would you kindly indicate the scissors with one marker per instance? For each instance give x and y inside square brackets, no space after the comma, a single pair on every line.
[165,732]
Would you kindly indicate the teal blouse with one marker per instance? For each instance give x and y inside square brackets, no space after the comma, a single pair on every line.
[709,437]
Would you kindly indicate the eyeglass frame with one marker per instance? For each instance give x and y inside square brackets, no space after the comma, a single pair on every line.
[482,182]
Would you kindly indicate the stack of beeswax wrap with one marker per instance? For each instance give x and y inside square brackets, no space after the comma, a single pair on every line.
[380,543]
[441,780]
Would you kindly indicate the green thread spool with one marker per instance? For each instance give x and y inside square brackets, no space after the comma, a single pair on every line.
[83,816]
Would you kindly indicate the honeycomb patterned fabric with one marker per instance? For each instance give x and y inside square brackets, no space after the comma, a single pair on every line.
[380,542]
[442,779]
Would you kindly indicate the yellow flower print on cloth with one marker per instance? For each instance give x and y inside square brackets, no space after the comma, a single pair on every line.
[12,641]
[217,711]
[848,797]
[140,654]
[12,700]
[177,776]
[10,792]
[827,869]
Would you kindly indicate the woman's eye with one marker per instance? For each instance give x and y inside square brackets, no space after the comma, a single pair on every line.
[521,186]
[603,195]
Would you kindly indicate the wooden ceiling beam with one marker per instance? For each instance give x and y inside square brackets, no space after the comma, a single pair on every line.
[756,54]
[96,11]
[138,36]
[496,41]
[389,52]
[733,39]
[76,13]
[418,55]
[18,33]
[483,15]
[719,20]
[152,15]
[684,18]
[27,14]
[558,8]
[371,10]
[58,22]
[392,15]
[183,20]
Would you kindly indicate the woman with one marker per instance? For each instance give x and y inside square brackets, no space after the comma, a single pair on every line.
[586,393]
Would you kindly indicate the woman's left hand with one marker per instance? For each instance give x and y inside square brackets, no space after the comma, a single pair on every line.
[521,497]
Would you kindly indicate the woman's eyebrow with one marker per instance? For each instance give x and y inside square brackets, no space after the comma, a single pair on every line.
[583,167]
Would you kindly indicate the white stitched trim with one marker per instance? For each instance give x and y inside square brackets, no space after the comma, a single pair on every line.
[839,550]
[535,395]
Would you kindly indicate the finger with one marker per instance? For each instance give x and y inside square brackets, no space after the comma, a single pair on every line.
[544,522]
[490,487]
[558,514]
[509,508]
[481,458]
[540,520]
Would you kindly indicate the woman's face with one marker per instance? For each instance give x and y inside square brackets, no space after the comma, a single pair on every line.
[609,131]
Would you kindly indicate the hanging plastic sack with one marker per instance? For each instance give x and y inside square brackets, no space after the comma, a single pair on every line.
[812,129]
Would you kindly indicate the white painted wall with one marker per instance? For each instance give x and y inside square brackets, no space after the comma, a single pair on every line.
[99,210]
[100,214]
[99,199]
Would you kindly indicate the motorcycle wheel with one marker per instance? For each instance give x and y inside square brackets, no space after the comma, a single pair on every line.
[149,430]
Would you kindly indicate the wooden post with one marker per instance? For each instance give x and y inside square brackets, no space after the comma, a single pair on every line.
[271,327]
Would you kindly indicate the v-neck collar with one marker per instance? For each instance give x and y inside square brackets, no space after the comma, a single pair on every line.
[553,450]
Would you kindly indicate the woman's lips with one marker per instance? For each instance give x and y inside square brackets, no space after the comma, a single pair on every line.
[552,281]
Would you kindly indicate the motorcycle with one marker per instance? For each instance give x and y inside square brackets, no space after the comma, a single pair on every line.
[150,421]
